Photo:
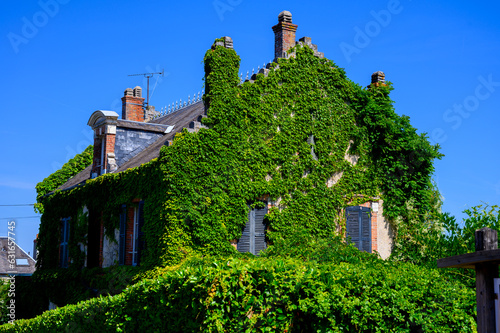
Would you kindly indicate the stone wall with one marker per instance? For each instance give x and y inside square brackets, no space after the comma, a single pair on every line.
[130,142]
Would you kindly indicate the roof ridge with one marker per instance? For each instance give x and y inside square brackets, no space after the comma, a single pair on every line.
[179,105]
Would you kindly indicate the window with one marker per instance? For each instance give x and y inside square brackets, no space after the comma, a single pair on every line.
[135,235]
[131,241]
[63,248]
[22,262]
[310,141]
[253,238]
[358,225]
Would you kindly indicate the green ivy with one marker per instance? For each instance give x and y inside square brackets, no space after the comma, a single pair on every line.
[58,178]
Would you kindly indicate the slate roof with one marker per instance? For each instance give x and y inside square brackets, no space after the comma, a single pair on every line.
[179,119]
[79,178]
[25,265]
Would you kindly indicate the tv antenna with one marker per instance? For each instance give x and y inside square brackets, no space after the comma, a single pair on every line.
[147,76]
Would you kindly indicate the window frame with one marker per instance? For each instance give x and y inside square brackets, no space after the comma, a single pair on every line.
[132,237]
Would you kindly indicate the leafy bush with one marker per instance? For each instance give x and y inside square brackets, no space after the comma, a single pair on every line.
[273,294]
[4,301]
[332,250]
[425,243]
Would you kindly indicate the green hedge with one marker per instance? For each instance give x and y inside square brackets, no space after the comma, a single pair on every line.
[273,295]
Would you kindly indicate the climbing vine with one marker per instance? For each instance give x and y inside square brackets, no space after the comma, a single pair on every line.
[302,136]
[58,178]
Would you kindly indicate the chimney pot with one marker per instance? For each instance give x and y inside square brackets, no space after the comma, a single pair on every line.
[133,104]
[137,91]
[285,16]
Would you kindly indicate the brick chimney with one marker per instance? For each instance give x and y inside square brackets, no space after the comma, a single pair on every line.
[284,35]
[133,104]
[378,79]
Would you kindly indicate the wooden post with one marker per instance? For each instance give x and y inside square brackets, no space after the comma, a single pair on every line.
[486,239]
[485,261]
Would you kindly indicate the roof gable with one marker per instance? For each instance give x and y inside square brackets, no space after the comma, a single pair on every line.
[24,265]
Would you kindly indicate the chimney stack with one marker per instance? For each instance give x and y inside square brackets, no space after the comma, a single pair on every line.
[284,35]
[133,104]
[103,124]
[378,79]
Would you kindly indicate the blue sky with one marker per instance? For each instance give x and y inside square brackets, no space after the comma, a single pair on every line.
[64,59]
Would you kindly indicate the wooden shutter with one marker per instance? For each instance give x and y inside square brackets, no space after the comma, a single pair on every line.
[366,232]
[253,238]
[140,243]
[62,245]
[358,225]
[353,226]
[122,242]
[244,242]
[260,230]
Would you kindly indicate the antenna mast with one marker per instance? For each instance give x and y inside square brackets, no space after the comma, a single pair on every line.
[148,75]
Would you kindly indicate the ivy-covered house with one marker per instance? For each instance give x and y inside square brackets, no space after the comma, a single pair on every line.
[295,148]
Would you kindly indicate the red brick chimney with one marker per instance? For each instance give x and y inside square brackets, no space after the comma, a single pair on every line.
[284,35]
[133,104]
